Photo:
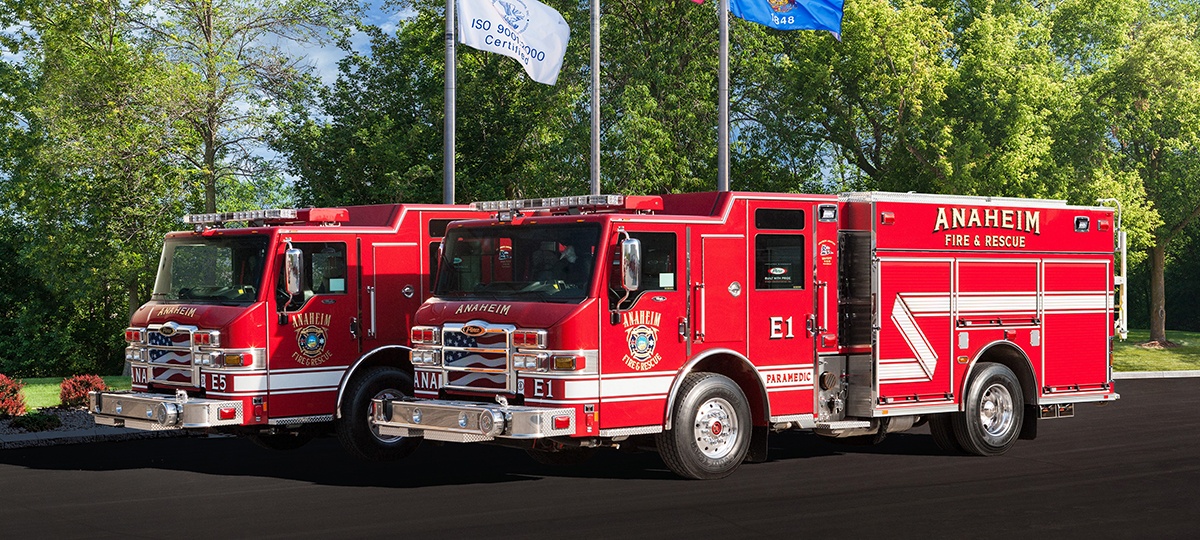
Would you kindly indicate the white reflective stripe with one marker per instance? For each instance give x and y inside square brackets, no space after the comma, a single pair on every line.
[640,386]
[997,304]
[252,383]
[580,389]
[910,370]
[925,305]
[1098,301]
[914,336]
[304,391]
[652,397]
[296,380]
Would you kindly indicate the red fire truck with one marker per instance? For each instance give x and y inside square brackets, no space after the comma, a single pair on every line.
[283,328]
[700,323]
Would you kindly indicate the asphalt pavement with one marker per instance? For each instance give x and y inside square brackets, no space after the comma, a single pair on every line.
[99,433]
[1126,469]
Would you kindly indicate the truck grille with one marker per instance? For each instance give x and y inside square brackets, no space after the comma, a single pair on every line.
[479,357]
[169,355]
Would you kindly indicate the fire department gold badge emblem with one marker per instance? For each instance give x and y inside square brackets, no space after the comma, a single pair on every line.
[641,335]
[311,338]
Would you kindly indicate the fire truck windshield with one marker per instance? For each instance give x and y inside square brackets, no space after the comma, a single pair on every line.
[529,262]
[226,270]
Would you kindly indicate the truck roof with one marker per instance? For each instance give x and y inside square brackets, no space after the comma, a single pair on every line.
[377,217]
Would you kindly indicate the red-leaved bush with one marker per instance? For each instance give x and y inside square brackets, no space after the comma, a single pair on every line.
[74,390]
[12,403]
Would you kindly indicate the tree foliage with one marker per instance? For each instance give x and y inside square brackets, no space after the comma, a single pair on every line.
[117,116]
[101,122]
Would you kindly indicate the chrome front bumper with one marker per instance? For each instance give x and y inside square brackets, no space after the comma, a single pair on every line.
[465,421]
[156,412]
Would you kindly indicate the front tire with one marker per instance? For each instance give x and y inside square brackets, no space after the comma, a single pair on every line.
[993,413]
[357,434]
[711,430]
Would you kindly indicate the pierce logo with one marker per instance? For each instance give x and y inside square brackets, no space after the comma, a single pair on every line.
[473,330]
[311,337]
[641,336]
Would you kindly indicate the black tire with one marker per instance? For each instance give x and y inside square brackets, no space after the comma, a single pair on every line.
[993,412]
[280,441]
[354,429]
[569,456]
[711,431]
[943,434]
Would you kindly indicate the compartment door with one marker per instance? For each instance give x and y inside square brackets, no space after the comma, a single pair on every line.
[914,360]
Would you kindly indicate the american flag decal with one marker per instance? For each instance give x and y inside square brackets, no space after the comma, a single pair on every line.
[463,366]
[171,357]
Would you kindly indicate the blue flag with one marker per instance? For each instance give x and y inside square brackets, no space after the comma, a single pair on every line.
[791,14]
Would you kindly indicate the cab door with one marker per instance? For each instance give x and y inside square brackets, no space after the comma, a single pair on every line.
[317,331]
[643,345]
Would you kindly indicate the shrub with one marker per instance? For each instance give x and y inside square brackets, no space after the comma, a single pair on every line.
[74,390]
[36,421]
[12,403]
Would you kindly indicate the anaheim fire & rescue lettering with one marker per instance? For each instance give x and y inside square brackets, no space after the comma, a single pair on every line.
[1028,221]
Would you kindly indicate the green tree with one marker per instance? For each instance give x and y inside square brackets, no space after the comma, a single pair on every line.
[1148,101]
[871,104]
[377,134]
[234,53]
[91,186]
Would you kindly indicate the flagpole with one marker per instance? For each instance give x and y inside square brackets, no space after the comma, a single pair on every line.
[595,97]
[448,136]
[723,100]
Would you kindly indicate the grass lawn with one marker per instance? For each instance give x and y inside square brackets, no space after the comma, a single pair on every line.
[1128,356]
[44,392]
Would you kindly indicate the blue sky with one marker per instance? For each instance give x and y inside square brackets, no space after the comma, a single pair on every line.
[324,59]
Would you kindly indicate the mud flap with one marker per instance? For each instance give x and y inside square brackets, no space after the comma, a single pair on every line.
[758,445]
[1029,425]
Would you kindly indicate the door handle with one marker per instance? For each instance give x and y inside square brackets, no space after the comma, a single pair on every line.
[354,327]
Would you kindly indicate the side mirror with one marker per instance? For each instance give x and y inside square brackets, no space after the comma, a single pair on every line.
[631,264]
[293,262]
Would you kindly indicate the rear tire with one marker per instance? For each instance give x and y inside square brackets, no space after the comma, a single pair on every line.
[357,434]
[993,412]
[711,431]
[943,434]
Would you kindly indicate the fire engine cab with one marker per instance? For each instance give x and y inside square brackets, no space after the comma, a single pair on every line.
[281,327]
[700,323]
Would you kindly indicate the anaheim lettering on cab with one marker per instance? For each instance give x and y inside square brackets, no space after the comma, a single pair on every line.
[499,309]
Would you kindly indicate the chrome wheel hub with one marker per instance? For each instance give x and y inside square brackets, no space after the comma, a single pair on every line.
[996,410]
[716,428]
[383,394]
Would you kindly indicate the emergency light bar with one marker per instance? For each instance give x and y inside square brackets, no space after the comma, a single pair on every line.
[316,215]
[576,202]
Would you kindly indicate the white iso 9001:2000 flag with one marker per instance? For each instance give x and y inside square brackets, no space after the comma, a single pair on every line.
[529,31]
